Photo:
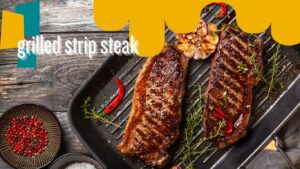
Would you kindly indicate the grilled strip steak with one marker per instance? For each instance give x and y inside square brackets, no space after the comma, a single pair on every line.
[232,76]
[155,116]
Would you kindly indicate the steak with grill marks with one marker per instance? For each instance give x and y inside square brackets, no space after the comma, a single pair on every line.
[232,76]
[153,125]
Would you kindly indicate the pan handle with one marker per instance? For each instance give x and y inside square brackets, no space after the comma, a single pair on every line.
[279,145]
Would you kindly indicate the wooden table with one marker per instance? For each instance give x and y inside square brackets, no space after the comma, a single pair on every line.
[56,78]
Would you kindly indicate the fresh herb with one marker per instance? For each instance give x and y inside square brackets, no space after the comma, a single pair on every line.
[251,44]
[210,137]
[242,68]
[90,112]
[224,97]
[275,81]
[215,134]
[223,116]
[193,120]
[275,69]
[235,25]
[210,107]
[252,58]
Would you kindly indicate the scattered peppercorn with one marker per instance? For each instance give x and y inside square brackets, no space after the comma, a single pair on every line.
[27,136]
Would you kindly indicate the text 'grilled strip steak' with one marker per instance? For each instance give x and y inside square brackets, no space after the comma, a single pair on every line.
[155,116]
[232,76]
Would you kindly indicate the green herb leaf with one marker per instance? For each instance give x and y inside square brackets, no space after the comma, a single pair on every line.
[252,58]
[251,45]
[235,25]
[224,97]
[193,120]
[90,112]
[275,81]
[210,107]
[242,68]
[275,84]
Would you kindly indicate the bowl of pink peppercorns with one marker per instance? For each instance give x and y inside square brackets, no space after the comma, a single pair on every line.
[30,136]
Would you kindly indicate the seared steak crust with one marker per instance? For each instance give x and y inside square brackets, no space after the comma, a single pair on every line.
[155,116]
[233,75]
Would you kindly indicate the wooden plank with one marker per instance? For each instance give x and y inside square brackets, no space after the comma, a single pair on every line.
[70,141]
[64,15]
[55,79]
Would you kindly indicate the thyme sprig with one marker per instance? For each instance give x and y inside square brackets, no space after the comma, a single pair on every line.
[235,25]
[213,134]
[224,97]
[272,85]
[90,112]
[193,120]
[242,68]
[275,69]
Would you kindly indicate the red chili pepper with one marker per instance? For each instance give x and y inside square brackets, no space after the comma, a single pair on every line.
[223,11]
[221,115]
[117,100]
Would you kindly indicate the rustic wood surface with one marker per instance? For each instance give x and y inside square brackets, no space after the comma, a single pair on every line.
[56,78]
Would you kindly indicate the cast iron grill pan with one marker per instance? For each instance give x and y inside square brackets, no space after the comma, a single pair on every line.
[268,113]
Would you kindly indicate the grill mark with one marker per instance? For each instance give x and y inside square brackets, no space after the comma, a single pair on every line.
[154,105]
[228,63]
[216,103]
[222,73]
[235,92]
[232,100]
[224,83]
[146,136]
[156,137]
[240,45]
[217,94]
[243,55]
[237,95]
[139,144]
[159,129]
[152,136]
[235,55]
[240,77]
[230,92]
[241,42]
[237,33]
[233,31]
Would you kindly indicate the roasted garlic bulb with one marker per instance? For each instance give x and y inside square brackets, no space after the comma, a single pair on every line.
[200,43]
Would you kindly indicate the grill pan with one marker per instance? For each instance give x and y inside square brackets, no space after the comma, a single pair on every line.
[269,113]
